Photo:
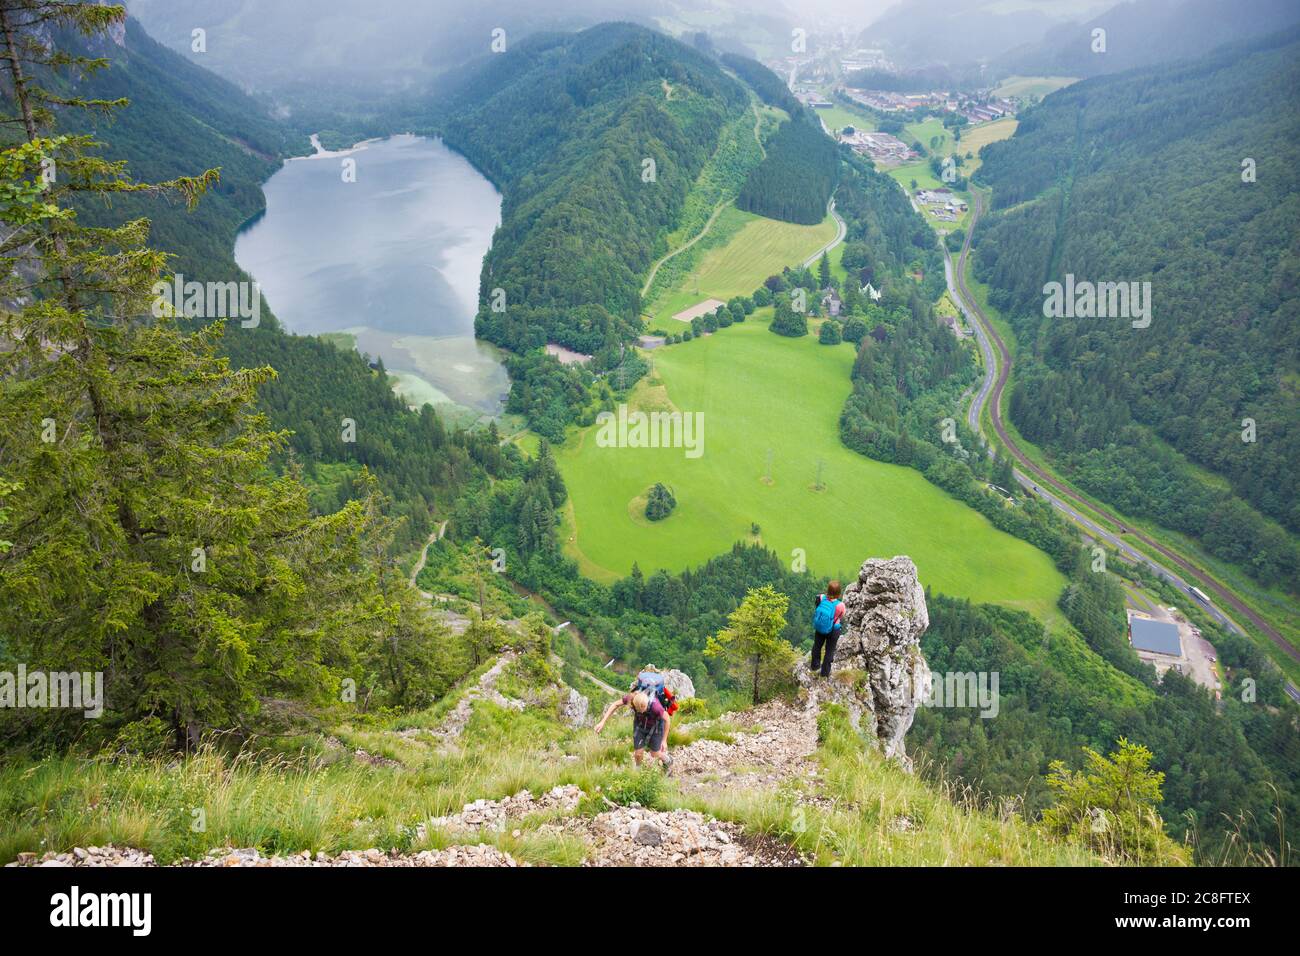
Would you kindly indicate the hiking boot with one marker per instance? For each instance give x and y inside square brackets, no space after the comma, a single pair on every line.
[668,765]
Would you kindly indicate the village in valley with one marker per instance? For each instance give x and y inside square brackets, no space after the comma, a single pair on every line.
[839,83]
[925,129]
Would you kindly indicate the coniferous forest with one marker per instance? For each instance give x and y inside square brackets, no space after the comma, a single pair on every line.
[798,175]
[1176,199]
[334,622]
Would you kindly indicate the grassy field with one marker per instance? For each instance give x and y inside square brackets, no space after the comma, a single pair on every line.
[754,248]
[920,171]
[1022,87]
[759,392]
[975,138]
[923,132]
[840,116]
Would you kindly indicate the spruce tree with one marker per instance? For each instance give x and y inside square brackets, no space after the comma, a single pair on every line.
[149,539]
[751,646]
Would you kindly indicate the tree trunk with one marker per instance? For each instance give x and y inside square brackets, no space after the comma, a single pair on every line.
[17,74]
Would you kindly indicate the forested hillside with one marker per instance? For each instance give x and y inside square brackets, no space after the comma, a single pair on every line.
[1147,32]
[797,176]
[181,119]
[771,89]
[595,139]
[1146,178]
[1230,767]
[799,172]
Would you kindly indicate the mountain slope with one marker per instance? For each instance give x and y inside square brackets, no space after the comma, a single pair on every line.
[779,785]
[1139,178]
[182,120]
[1147,32]
[297,47]
[925,32]
[595,139]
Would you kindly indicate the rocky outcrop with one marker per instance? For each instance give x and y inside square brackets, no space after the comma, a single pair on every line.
[879,673]
[681,685]
[573,709]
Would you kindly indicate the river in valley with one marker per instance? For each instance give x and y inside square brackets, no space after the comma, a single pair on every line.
[380,247]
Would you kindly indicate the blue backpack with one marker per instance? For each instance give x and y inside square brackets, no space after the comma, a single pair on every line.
[650,683]
[824,616]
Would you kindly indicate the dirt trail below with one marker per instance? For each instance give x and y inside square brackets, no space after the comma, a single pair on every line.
[781,749]
[424,556]
[772,744]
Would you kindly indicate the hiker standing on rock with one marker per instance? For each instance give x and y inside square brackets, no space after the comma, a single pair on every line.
[652,706]
[828,623]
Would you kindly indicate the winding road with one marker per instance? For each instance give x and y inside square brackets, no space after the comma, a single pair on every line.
[997,371]
[717,210]
[840,232]
[654,270]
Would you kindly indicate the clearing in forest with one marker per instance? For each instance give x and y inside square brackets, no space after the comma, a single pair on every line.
[771,409]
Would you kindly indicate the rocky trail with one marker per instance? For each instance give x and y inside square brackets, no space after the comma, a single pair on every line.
[484,689]
[774,746]
[755,751]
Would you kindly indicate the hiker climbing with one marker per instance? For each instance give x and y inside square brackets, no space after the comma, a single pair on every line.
[828,624]
[652,706]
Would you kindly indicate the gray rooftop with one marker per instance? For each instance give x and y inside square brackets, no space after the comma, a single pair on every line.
[1160,637]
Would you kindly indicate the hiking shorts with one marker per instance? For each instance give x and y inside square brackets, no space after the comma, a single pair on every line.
[648,738]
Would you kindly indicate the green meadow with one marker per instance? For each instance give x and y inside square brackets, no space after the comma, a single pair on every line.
[975,138]
[1027,86]
[920,171]
[839,116]
[927,130]
[746,250]
[763,396]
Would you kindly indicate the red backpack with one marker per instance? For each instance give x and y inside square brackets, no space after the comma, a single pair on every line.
[668,701]
[651,683]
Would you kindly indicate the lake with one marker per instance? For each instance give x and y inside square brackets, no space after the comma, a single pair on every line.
[381,245]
